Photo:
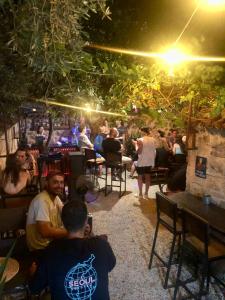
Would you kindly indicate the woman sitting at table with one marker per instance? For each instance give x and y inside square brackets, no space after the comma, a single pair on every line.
[14,177]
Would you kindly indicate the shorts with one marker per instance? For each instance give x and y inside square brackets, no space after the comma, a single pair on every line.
[143,170]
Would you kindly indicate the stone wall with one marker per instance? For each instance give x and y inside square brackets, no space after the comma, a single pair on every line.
[210,143]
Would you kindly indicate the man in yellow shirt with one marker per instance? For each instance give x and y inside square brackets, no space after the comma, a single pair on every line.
[44,215]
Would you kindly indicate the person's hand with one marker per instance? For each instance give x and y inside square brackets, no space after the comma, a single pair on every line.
[87,230]
[20,232]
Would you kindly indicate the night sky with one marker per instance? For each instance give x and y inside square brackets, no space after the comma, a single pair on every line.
[149,25]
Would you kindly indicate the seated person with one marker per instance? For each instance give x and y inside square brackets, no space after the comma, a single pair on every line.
[111,144]
[14,177]
[99,139]
[75,265]
[26,161]
[177,182]
[44,215]
[83,140]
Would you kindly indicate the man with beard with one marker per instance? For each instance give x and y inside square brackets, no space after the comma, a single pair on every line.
[44,222]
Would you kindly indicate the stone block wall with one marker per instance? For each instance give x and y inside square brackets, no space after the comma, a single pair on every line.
[210,143]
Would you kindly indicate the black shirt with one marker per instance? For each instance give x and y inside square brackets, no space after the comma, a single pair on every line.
[111,145]
[75,269]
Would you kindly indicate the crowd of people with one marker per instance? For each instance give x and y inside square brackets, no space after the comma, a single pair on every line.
[58,233]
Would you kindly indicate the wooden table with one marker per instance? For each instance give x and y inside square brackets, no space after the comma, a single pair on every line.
[12,268]
[212,213]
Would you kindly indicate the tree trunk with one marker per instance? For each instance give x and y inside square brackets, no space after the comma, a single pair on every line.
[51,129]
[188,146]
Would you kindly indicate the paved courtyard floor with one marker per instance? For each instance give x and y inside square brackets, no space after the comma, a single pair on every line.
[129,223]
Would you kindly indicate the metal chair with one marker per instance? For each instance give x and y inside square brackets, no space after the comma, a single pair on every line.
[167,216]
[92,162]
[196,235]
[114,162]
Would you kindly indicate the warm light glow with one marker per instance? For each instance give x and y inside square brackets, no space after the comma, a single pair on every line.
[174,56]
[50,102]
[212,4]
[215,2]
[88,107]
[162,56]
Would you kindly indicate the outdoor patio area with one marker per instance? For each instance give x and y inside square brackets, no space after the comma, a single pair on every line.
[129,223]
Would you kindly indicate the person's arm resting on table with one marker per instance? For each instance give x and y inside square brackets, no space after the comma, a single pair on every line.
[47,231]
[44,226]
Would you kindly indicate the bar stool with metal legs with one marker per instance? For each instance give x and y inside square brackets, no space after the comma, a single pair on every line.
[114,162]
[196,236]
[167,216]
[93,162]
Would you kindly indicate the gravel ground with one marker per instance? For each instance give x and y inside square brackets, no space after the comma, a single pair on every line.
[129,223]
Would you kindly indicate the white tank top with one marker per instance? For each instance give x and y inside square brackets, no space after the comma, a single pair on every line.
[147,157]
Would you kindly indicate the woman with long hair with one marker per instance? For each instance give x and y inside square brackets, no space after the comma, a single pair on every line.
[179,146]
[14,177]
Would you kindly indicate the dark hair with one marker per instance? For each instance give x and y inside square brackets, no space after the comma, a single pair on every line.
[74,215]
[145,130]
[21,148]
[161,133]
[179,141]
[39,128]
[81,128]
[53,174]
[12,169]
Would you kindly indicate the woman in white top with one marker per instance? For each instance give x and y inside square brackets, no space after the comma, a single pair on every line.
[146,160]
[179,146]
[14,178]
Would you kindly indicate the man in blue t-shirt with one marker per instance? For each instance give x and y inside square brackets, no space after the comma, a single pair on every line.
[76,267]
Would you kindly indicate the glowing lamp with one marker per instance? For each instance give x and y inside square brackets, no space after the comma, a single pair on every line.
[174,56]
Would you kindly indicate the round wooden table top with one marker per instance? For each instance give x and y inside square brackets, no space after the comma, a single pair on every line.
[12,268]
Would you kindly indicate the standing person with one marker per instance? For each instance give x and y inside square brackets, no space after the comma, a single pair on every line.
[172,138]
[121,128]
[44,215]
[146,160]
[162,150]
[75,267]
[40,138]
[105,125]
